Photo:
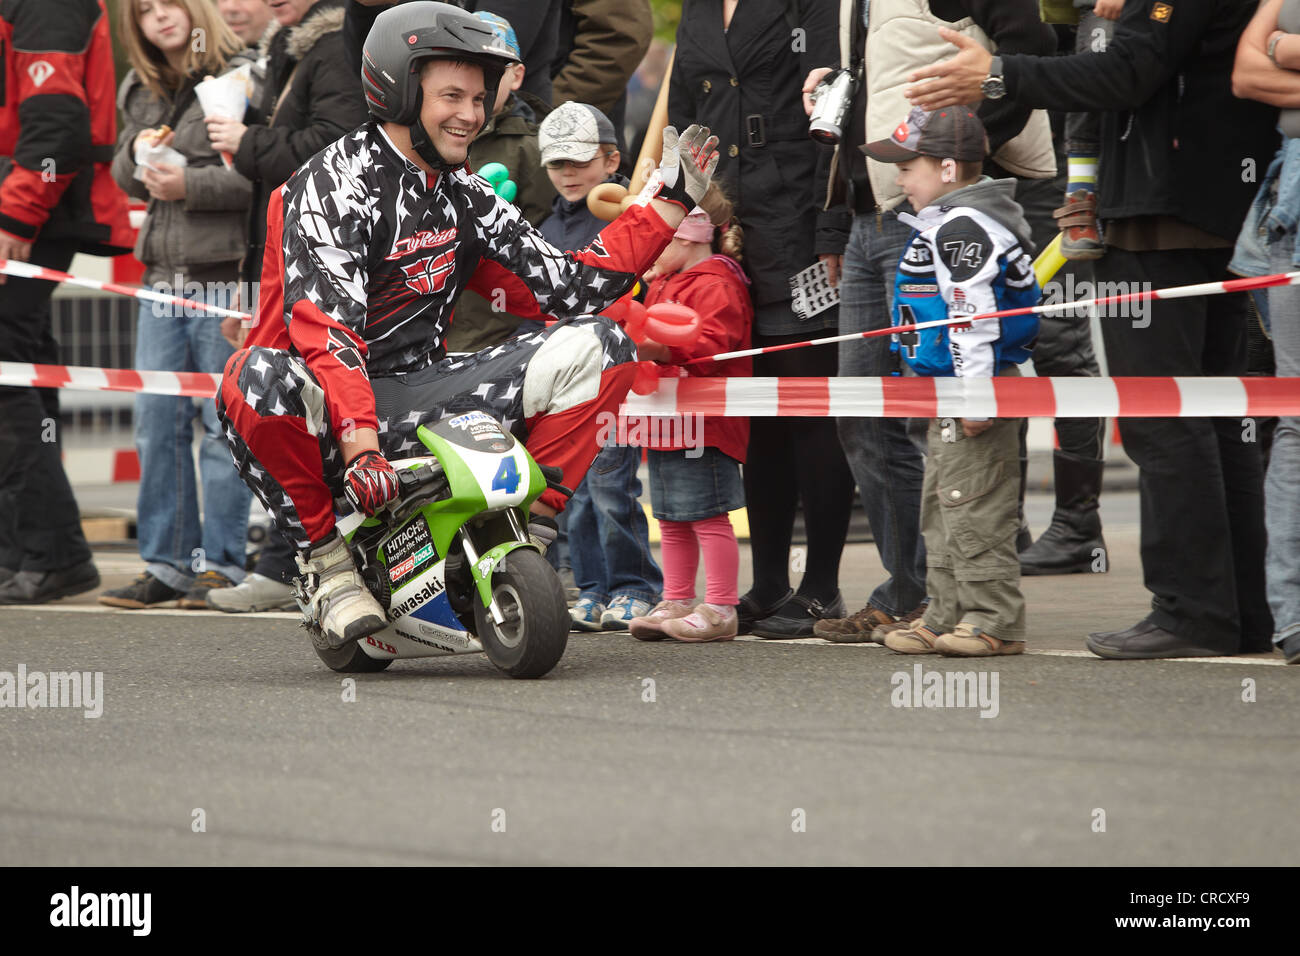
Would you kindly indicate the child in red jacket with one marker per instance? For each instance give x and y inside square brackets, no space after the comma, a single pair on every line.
[695,471]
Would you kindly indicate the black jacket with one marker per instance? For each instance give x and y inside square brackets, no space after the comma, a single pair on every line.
[745,86]
[1176,139]
[322,103]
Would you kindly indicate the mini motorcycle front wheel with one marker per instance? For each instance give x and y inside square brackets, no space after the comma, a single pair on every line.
[532,638]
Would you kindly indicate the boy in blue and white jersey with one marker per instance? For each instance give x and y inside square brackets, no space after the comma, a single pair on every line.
[970,254]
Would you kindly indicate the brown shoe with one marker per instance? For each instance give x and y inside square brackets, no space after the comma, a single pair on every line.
[854,629]
[1077,220]
[651,627]
[197,596]
[703,624]
[916,638]
[903,623]
[967,640]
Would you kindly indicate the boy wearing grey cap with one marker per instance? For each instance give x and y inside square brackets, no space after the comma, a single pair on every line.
[970,255]
[608,535]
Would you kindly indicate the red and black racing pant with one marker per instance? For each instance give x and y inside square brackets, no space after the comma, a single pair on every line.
[553,389]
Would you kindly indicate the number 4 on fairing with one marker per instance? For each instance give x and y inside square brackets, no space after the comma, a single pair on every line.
[507,477]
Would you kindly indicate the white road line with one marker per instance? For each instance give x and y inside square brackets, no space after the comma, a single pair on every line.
[151,611]
[812,641]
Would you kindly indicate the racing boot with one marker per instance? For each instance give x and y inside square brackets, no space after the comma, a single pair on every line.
[340,603]
[1073,541]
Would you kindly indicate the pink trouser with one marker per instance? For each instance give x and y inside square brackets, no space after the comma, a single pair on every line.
[680,544]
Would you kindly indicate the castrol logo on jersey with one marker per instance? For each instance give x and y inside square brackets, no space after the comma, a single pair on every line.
[424,239]
[430,274]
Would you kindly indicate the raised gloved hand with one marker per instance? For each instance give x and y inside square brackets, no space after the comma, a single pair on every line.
[686,167]
[370,482]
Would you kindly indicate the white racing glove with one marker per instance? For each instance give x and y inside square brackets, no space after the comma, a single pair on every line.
[686,168]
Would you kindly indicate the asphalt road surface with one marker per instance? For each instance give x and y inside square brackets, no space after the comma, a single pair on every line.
[223,740]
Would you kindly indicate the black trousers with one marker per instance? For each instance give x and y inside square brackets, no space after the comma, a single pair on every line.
[793,462]
[1064,347]
[1201,482]
[40,525]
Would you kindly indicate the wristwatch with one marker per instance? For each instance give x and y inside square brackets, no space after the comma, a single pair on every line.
[1272,48]
[993,86]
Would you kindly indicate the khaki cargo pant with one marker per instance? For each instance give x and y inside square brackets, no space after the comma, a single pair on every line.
[969,517]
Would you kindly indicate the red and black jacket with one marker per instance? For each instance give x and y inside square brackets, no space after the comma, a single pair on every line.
[58,121]
[365,260]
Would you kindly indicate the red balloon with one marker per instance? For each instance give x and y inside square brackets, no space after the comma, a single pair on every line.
[672,324]
[647,378]
[635,323]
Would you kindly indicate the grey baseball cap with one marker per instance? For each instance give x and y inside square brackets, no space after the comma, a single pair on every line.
[574,131]
[954,132]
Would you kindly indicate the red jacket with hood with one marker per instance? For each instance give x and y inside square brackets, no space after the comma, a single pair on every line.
[718,290]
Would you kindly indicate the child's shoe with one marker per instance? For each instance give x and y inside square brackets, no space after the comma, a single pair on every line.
[916,638]
[967,640]
[586,614]
[650,627]
[707,622]
[1077,220]
[621,611]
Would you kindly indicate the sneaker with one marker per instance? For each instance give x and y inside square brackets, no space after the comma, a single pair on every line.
[1077,220]
[1290,649]
[650,627]
[144,591]
[967,640]
[797,617]
[542,531]
[341,605]
[37,587]
[618,616]
[854,629]
[586,615]
[256,592]
[916,638]
[705,623]
[902,624]
[196,596]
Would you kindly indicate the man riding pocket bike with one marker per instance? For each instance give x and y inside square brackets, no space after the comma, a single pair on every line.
[369,245]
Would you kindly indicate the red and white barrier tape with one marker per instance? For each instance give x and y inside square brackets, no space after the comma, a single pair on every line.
[1220,287]
[83,378]
[24,270]
[1003,397]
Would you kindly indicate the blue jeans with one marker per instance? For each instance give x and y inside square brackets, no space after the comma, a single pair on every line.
[609,537]
[886,462]
[175,544]
[1281,500]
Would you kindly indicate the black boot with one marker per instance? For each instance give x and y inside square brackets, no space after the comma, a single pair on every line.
[1073,542]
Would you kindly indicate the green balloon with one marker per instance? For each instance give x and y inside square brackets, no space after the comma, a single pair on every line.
[494,173]
[508,190]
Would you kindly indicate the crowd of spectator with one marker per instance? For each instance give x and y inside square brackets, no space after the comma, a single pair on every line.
[1130,129]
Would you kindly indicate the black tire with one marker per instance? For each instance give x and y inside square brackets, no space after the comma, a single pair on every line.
[536,631]
[350,659]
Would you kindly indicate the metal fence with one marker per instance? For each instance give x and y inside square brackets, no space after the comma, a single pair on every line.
[99,331]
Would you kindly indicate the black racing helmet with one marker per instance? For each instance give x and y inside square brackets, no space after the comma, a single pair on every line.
[405,36]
